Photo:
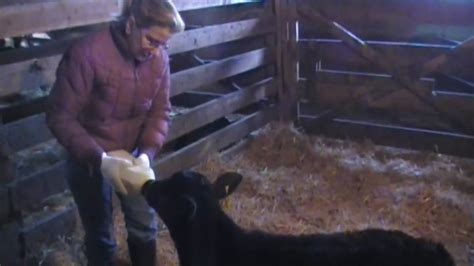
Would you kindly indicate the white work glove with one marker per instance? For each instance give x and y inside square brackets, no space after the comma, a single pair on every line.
[134,177]
[142,160]
[112,168]
[122,154]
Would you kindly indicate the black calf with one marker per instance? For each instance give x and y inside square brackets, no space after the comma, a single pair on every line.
[205,236]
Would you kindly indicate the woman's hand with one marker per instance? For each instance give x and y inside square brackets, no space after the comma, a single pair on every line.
[112,168]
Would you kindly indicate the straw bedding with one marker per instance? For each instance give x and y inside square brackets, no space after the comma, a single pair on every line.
[297,184]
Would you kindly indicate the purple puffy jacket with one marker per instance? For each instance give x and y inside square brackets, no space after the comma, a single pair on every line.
[104,100]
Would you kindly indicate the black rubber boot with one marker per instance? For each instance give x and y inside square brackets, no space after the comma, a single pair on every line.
[142,253]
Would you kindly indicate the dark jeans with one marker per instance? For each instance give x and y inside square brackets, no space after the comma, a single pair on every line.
[93,196]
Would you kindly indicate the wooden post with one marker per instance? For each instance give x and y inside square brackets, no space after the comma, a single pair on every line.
[278,9]
[287,53]
[291,64]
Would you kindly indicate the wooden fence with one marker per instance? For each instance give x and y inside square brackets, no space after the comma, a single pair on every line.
[391,71]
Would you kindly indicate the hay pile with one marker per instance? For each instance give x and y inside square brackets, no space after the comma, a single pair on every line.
[298,184]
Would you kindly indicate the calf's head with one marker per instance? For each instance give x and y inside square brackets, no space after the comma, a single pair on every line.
[189,196]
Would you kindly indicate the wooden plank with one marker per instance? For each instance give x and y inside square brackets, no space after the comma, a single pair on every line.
[31,190]
[36,73]
[289,54]
[25,133]
[238,148]
[198,4]
[453,83]
[193,98]
[333,88]
[198,151]
[41,15]
[291,63]
[23,108]
[197,18]
[212,35]
[33,130]
[280,37]
[396,20]
[199,76]
[20,2]
[447,62]
[333,54]
[17,20]
[215,109]
[47,229]
[396,136]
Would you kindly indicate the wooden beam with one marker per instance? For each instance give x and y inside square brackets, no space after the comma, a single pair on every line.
[193,98]
[198,151]
[32,74]
[215,109]
[18,20]
[25,133]
[408,20]
[332,89]
[32,105]
[444,63]
[212,35]
[407,82]
[197,18]
[33,130]
[46,229]
[30,191]
[286,40]
[238,148]
[335,55]
[278,9]
[239,28]
[397,136]
[199,76]
[197,4]
[41,16]
[288,95]
[453,83]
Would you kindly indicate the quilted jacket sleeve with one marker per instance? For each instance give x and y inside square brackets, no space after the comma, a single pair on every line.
[74,81]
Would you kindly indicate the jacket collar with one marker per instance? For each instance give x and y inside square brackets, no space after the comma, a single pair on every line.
[117,30]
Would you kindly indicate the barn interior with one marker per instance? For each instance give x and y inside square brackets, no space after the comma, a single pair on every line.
[341,115]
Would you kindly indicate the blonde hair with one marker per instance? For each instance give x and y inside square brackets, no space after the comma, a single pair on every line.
[163,13]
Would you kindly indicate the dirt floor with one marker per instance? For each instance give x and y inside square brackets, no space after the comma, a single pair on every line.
[295,184]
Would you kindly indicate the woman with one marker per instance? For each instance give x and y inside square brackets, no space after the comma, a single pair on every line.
[112,93]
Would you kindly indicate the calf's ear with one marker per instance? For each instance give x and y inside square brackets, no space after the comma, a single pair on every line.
[226,184]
